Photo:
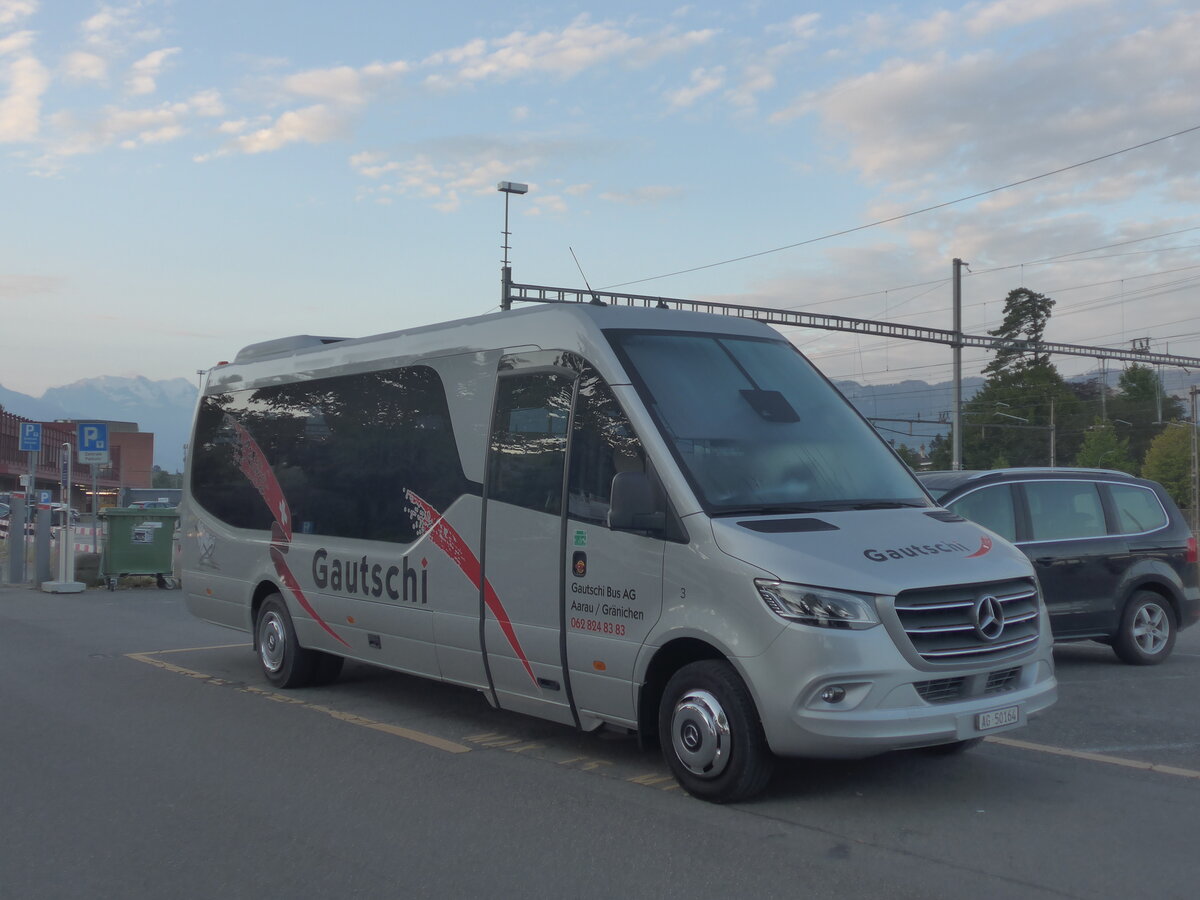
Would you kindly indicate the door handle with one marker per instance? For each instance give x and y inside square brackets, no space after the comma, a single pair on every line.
[1044,560]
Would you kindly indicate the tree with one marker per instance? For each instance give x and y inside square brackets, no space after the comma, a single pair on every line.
[1026,314]
[940,453]
[1102,449]
[1136,408]
[162,479]
[1169,462]
[1009,422]
[910,456]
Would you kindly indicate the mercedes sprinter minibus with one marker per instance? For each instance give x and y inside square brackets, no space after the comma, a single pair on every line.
[661,521]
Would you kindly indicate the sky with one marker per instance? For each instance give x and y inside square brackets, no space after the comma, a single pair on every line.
[181,178]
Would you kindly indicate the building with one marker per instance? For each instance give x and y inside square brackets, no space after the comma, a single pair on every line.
[131,461]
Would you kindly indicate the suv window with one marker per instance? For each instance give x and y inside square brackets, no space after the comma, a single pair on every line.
[1062,510]
[991,507]
[1138,509]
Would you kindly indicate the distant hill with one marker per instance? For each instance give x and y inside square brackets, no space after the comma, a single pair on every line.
[162,407]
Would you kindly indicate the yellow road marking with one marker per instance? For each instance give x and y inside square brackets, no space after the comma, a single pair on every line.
[1096,757]
[420,737]
[502,741]
[194,649]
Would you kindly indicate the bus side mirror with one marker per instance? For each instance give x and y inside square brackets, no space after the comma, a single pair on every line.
[636,504]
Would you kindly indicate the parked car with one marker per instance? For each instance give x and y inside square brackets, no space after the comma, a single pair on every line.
[151,504]
[1114,555]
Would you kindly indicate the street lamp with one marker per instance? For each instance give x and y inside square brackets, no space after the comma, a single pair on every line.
[507,188]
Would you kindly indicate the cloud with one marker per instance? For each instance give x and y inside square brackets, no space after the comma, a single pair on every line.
[755,80]
[703,82]
[651,195]
[1010,13]
[19,287]
[985,117]
[802,27]
[21,105]
[447,174]
[114,28]
[340,85]
[82,66]
[12,11]
[17,43]
[564,52]
[143,74]
[546,204]
[126,128]
[343,84]
[312,125]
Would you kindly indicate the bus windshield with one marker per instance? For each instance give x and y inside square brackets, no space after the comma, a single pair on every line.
[757,430]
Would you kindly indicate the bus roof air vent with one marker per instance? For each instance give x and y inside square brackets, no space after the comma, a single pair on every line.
[283,347]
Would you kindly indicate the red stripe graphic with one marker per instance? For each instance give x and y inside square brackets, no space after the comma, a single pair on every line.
[253,463]
[985,544]
[289,580]
[429,521]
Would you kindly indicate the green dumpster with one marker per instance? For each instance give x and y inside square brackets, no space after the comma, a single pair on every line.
[138,542]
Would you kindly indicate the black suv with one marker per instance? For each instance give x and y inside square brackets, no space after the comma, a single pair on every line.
[1115,558]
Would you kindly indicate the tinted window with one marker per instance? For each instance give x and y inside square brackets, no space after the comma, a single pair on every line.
[529,440]
[991,507]
[602,444]
[344,450]
[1138,509]
[1061,510]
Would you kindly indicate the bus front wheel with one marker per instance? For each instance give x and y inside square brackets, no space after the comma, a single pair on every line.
[710,733]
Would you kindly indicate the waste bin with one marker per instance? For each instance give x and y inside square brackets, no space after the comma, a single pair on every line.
[137,542]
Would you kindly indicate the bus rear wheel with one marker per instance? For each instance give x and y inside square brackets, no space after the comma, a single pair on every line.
[284,662]
[711,735]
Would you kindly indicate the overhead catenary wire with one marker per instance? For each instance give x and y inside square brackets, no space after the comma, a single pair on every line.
[912,213]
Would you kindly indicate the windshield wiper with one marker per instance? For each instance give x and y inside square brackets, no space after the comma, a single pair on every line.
[816,506]
[771,510]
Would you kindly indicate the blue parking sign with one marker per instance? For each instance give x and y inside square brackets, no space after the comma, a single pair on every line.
[92,442]
[31,437]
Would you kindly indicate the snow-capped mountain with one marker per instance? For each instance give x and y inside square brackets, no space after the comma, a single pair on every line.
[162,407]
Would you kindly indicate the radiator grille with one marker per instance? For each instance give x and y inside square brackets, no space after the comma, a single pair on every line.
[970,623]
[941,690]
[965,687]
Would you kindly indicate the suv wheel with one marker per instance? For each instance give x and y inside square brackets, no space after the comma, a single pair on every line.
[1147,632]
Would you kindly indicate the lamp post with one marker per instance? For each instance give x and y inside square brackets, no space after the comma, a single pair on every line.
[507,188]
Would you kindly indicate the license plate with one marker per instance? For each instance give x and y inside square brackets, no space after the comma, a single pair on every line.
[997,718]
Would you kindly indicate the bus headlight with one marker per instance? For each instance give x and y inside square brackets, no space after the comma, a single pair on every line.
[821,607]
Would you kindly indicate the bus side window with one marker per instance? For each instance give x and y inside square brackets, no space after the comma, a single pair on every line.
[529,441]
[602,444]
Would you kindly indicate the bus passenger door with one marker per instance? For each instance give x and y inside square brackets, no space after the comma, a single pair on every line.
[614,589]
[523,534]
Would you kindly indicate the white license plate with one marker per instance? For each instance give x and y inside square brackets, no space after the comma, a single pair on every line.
[997,718]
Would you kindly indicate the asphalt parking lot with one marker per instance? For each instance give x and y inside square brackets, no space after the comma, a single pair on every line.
[145,756]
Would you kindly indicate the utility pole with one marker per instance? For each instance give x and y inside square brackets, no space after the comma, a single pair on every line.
[1195,464]
[956,460]
[1104,390]
[1053,437]
[507,188]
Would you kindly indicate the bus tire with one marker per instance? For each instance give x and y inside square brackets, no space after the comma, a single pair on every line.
[711,735]
[327,668]
[285,663]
